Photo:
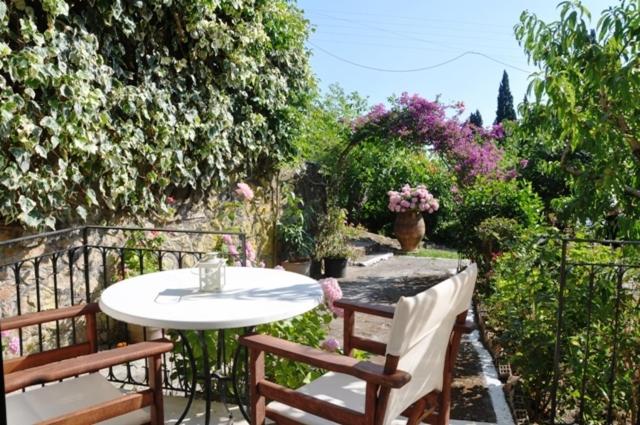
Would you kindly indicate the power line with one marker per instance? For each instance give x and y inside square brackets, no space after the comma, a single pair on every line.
[342,42]
[424,68]
[386,18]
[460,46]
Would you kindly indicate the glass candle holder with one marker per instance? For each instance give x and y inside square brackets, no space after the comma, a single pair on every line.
[212,273]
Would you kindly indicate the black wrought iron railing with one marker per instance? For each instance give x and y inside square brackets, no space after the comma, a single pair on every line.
[73,266]
[596,364]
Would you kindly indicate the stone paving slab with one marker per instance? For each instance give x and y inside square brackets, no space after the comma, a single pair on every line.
[173,408]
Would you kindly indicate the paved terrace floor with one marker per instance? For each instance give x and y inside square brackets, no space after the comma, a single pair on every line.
[174,406]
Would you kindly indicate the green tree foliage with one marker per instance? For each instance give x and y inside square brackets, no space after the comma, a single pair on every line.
[112,107]
[588,92]
[326,127]
[476,119]
[541,163]
[505,110]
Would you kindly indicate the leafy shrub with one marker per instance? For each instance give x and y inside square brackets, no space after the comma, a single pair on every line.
[115,107]
[293,232]
[492,199]
[497,234]
[522,312]
[333,239]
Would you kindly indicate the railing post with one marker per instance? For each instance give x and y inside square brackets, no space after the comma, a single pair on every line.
[243,254]
[557,348]
[3,401]
[85,245]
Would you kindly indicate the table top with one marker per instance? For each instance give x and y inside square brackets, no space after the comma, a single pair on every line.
[171,300]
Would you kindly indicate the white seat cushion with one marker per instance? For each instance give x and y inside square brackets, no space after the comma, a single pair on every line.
[64,397]
[336,388]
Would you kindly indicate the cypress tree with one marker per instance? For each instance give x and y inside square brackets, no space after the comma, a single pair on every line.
[505,109]
[475,118]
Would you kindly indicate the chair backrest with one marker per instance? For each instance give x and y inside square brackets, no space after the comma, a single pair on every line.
[420,335]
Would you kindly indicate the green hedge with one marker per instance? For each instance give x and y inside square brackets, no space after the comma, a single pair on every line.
[111,107]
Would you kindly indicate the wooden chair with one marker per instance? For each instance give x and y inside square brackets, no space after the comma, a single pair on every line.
[414,382]
[87,399]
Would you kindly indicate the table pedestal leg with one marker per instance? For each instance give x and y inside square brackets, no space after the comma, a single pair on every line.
[194,375]
[207,378]
[237,386]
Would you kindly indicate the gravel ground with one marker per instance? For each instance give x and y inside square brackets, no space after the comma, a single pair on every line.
[384,283]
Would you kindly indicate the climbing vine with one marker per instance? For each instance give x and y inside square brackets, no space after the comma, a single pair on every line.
[112,107]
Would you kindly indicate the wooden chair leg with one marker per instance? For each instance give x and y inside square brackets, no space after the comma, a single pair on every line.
[155,383]
[348,325]
[258,401]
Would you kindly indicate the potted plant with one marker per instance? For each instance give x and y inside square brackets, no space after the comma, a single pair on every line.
[332,244]
[296,243]
[409,204]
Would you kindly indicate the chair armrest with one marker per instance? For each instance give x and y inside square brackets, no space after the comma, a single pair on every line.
[30,319]
[85,364]
[366,371]
[466,328]
[373,309]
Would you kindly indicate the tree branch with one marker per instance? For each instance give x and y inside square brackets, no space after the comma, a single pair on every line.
[633,141]
[563,162]
[631,191]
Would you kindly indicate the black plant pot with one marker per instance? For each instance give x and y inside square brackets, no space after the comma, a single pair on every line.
[316,269]
[335,267]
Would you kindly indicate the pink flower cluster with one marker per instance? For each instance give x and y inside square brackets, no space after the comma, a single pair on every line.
[332,293]
[412,199]
[13,344]
[331,344]
[244,191]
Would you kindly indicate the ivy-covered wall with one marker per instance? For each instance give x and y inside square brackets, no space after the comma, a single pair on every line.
[111,108]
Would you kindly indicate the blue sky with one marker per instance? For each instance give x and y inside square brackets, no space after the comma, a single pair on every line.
[410,34]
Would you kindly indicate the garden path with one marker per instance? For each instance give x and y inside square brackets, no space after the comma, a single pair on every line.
[384,282]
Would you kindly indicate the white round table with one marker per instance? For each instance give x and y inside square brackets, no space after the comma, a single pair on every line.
[171,300]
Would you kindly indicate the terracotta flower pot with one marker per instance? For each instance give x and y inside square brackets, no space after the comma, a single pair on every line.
[300,267]
[409,229]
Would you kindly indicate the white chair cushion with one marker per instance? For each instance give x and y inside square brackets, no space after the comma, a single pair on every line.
[336,388]
[64,397]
